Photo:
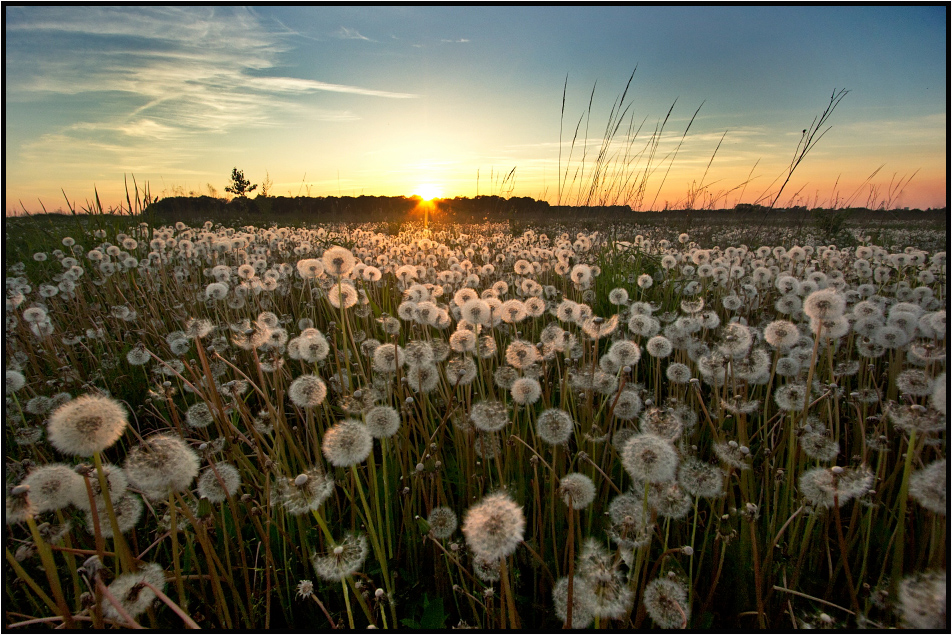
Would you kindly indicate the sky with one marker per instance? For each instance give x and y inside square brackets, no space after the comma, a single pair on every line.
[459,101]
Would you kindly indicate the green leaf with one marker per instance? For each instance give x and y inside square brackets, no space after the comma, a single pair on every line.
[433,615]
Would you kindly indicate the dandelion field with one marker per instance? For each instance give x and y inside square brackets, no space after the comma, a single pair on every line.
[337,427]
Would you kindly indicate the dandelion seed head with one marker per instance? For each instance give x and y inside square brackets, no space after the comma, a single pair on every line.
[347,443]
[494,527]
[628,405]
[659,346]
[820,486]
[304,493]
[583,606]
[209,486]
[669,500]
[521,354]
[647,457]
[134,596]
[666,603]
[305,588]
[701,479]
[791,397]
[929,486]
[382,421]
[442,522]
[554,426]
[625,353]
[128,511]
[307,391]
[923,600]
[344,559]
[51,486]
[460,371]
[86,425]
[161,464]
[338,261]
[817,445]
[729,452]
[489,416]
[525,390]
[913,381]
[576,490]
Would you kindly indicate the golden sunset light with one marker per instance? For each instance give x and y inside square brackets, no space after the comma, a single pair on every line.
[428,192]
[335,101]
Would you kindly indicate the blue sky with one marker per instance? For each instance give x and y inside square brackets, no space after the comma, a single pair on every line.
[354,100]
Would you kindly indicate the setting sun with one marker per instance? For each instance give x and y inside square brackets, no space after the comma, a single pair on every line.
[429,192]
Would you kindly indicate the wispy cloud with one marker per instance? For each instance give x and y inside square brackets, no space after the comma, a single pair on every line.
[158,79]
[295,85]
[346,33]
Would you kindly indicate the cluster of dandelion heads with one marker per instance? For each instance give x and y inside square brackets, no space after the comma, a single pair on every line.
[87,425]
[611,597]
[494,527]
[218,482]
[347,443]
[132,592]
[307,391]
[161,465]
[442,522]
[343,559]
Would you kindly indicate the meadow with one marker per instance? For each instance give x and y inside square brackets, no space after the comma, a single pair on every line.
[602,425]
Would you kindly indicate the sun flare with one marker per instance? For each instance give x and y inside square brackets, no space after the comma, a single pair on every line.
[429,192]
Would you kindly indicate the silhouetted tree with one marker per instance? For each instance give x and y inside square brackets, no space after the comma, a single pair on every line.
[240,186]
